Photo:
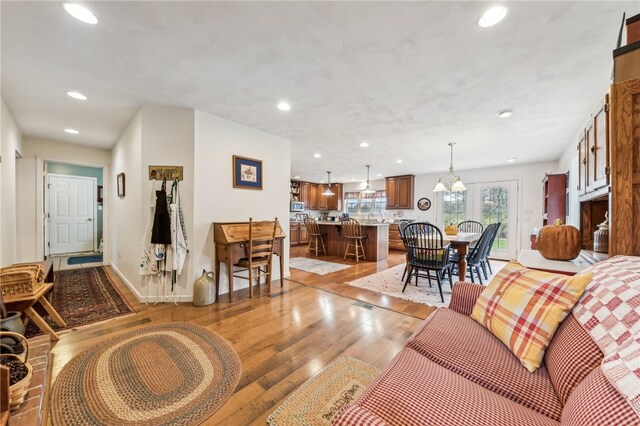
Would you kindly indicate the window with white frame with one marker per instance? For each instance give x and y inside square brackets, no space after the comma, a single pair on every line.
[357,203]
[454,207]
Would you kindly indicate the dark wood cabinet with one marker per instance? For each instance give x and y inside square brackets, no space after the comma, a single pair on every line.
[294,233]
[303,238]
[555,198]
[313,196]
[582,164]
[399,190]
[395,242]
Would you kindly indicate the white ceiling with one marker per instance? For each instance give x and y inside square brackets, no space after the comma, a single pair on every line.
[407,77]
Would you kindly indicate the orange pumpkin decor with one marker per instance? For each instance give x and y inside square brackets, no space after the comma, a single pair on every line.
[559,242]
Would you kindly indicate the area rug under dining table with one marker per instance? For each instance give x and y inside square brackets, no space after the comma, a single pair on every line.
[169,373]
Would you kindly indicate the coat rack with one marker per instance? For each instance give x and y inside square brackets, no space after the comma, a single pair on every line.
[165,173]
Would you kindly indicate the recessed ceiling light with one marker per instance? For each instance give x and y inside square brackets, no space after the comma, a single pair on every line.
[398,161]
[364,144]
[317,155]
[77,95]
[492,16]
[504,113]
[296,177]
[81,13]
[378,175]
[72,131]
[321,181]
[512,159]
[284,106]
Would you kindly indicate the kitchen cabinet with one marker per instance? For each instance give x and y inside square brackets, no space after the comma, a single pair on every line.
[593,154]
[313,196]
[399,190]
[294,233]
[330,202]
[395,242]
[303,237]
[555,198]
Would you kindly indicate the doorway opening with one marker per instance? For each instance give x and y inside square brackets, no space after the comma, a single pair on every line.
[73,208]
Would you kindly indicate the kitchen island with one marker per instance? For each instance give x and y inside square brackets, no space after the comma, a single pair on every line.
[376,243]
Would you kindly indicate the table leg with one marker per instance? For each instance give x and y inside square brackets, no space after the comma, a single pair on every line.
[281,260]
[42,324]
[51,310]
[217,277]
[462,261]
[230,276]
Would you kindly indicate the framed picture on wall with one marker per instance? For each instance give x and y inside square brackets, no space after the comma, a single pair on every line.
[247,173]
[120,185]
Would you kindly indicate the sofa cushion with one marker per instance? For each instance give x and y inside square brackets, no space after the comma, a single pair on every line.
[464,296]
[523,308]
[463,346]
[596,402]
[571,355]
[413,390]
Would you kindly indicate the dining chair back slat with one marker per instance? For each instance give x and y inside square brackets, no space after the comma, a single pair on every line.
[470,226]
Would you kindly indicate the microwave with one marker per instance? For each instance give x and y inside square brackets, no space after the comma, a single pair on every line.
[297,206]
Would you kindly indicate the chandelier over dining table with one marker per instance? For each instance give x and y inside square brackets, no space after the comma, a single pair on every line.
[450,182]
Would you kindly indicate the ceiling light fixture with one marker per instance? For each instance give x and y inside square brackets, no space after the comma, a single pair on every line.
[77,95]
[378,175]
[455,184]
[81,13]
[398,161]
[512,159]
[368,189]
[328,192]
[72,131]
[284,106]
[317,155]
[504,113]
[364,144]
[492,16]
[296,177]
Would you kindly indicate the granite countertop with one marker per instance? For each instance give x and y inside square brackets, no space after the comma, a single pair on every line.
[361,223]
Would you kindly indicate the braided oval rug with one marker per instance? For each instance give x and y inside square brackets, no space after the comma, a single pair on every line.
[164,374]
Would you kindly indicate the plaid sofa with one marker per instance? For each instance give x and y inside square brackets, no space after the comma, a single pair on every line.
[452,371]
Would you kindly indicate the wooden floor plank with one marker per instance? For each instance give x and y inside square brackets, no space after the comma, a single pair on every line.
[283,337]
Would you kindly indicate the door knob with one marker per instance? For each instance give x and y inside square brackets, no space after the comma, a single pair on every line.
[89,220]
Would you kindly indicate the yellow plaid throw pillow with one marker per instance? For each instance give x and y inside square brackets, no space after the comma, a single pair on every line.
[523,308]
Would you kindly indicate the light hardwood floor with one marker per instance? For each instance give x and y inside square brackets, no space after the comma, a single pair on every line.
[283,338]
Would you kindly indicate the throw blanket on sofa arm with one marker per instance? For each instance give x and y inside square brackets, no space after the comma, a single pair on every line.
[609,310]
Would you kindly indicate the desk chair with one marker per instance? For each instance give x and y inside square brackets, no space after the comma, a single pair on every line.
[258,251]
[352,231]
[315,236]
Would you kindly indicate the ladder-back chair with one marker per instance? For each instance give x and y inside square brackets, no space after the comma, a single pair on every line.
[352,231]
[316,243]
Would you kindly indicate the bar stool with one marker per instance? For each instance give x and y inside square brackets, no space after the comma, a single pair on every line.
[352,231]
[314,235]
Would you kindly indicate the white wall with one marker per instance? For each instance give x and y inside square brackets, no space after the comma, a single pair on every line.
[10,145]
[569,162]
[216,141]
[529,177]
[31,187]
[126,212]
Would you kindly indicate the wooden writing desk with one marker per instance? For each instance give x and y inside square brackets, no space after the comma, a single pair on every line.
[230,239]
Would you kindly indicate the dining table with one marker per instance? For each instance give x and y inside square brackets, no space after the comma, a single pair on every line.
[460,242]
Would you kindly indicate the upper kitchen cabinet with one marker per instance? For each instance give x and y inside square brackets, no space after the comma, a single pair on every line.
[330,202]
[399,191]
[593,154]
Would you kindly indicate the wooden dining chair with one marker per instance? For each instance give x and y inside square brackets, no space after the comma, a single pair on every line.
[352,231]
[314,235]
[470,226]
[258,252]
[426,251]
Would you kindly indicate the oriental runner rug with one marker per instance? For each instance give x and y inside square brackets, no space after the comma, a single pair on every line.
[320,267]
[171,373]
[324,395]
[83,296]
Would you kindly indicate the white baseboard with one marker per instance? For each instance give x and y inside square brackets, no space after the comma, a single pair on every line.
[151,299]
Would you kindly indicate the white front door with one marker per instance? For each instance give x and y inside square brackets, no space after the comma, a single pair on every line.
[72,202]
[495,202]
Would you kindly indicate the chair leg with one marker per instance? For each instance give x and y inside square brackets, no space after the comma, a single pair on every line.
[439,287]
[471,273]
[429,277]
[324,251]
[251,282]
[484,270]
[409,272]
[479,277]
[347,250]
[364,256]
[489,266]
[404,274]
[417,273]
